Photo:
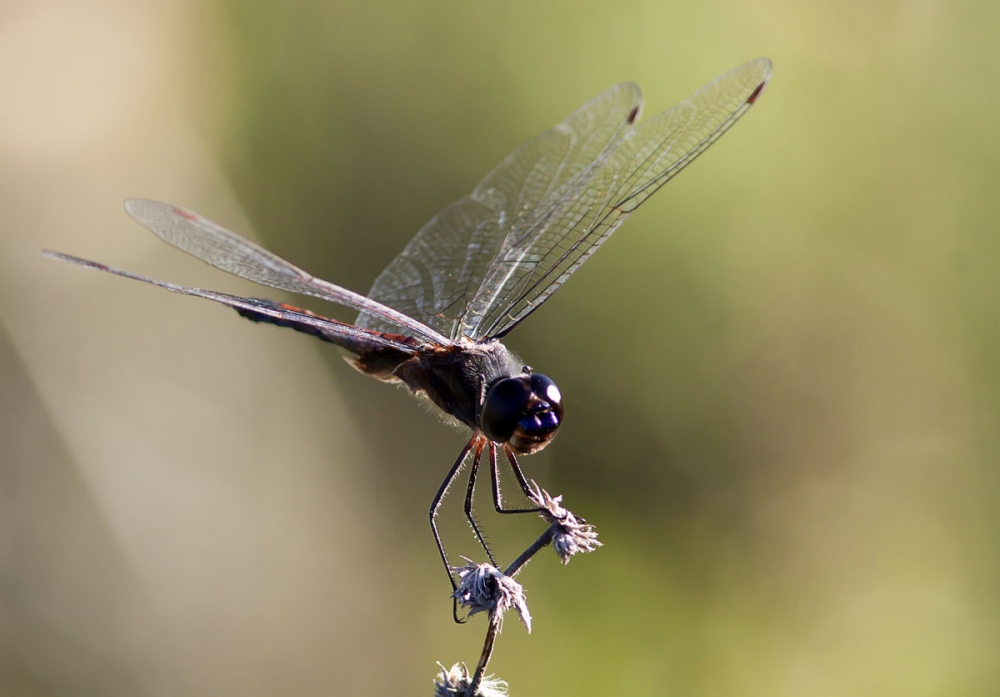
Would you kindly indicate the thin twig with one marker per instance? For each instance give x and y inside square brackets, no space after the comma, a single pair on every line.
[484,587]
[484,659]
[541,543]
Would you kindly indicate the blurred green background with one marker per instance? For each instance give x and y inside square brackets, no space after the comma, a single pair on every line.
[781,376]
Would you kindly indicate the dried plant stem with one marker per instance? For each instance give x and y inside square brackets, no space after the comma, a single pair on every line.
[495,617]
[484,659]
[543,541]
[485,588]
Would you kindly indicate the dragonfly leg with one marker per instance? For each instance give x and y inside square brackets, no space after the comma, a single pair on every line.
[470,493]
[436,504]
[518,474]
[475,442]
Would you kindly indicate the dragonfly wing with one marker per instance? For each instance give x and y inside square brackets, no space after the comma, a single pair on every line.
[359,341]
[444,267]
[540,254]
[229,252]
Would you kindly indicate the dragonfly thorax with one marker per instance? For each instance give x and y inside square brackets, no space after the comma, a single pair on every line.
[485,387]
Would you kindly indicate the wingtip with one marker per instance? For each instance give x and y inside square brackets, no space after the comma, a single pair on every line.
[70,259]
[58,256]
[150,213]
[133,206]
[765,77]
[768,68]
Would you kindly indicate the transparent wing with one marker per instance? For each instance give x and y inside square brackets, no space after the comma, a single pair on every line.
[359,341]
[443,268]
[543,249]
[485,263]
[229,252]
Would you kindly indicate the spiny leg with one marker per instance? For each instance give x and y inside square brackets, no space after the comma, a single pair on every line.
[518,474]
[436,504]
[470,493]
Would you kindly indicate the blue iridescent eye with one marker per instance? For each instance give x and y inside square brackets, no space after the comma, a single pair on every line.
[523,411]
[505,405]
[545,389]
[542,422]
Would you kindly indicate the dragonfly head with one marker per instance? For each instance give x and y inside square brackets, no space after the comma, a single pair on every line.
[523,411]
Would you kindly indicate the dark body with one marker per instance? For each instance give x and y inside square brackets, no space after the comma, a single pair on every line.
[455,378]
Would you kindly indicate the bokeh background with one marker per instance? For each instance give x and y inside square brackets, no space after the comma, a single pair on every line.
[781,375]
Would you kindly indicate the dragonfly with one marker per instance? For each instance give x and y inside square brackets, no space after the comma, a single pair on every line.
[435,317]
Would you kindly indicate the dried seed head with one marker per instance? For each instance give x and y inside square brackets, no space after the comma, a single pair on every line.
[573,535]
[456,680]
[484,588]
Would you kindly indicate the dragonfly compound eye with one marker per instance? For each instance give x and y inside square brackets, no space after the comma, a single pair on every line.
[523,411]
